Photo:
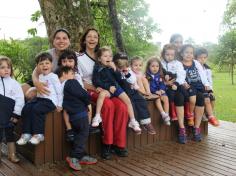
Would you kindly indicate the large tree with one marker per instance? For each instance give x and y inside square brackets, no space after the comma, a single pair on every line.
[73,15]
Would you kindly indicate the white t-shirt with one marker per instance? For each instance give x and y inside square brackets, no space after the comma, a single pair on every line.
[85,66]
[54,86]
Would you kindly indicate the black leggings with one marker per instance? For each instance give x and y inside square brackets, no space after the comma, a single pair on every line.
[9,134]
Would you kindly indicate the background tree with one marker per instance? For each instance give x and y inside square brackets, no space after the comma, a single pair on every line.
[226,51]
[74,15]
[229,19]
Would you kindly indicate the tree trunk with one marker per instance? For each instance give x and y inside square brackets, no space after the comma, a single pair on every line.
[116,28]
[232,73]
[73,15]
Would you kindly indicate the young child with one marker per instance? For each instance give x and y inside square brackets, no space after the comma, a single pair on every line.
[201,55]
[34,112]
[104,77]
[195,86]
[143,87]
[154,75]
[11,104]
[128,83]
[75,102]
[69,58]
[174,75]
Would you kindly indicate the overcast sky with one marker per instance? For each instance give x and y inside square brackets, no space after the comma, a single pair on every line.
[199,19]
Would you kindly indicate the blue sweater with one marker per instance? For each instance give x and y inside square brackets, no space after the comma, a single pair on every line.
[156,82]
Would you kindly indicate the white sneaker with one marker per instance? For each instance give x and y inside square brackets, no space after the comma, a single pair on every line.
[135,126]
[166,118]
[23,139]
[96,120]
[36,139]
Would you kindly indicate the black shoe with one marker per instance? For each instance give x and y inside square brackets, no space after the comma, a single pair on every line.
[106,152]
[70,135]
[121,152]
[93,130]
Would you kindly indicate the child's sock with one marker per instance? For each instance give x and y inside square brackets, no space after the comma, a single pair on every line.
[182,131]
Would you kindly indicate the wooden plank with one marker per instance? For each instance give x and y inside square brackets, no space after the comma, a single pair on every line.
[57,136]
[48,141]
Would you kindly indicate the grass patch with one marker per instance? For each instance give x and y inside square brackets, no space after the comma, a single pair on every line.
[225,92]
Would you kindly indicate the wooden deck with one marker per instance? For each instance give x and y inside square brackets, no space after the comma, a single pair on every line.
[215,155]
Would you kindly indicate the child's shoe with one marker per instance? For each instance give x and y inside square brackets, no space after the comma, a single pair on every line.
[197,134]
[213,121]
[166,118]
[36,139]
[190,119]
[119,151]
[182,137]
[93,130]
[12,152]
[96,120]
[73,163]
[135,126]
[23,139]
[204,118]
[149,128]
[87,160]
[106,152]
[70,135]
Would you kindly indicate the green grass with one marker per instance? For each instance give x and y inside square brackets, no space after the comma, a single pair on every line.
[225,92]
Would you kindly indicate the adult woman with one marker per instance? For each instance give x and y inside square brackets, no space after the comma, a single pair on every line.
[114,112]
[61,41]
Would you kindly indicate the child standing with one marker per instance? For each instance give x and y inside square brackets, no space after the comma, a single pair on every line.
[154,75]
[75,102]
[11,104]
[69,58]
[201,55]
[104,77]
[195,86]
[34,112]
[128,83]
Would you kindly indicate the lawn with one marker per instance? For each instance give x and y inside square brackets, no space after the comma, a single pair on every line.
[225,93]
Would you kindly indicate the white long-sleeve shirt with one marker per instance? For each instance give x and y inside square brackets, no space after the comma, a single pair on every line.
[10,88]
[54,86]
[175,67]
[202,73]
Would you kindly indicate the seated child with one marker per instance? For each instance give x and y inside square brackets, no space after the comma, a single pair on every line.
[68,58]
[142,82]
[155,77]
[195,86]
[174,75]
[75,102]
[11,104]
[201,55]
[104,78]
[34,112]
[127,82]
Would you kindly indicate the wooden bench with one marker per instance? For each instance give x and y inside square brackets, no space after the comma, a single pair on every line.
[55,148]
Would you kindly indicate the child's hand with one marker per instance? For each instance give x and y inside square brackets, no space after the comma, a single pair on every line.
[112,65]
[42,88]
[207,88]
[59,109]
[159,92]
[167,77]
[162,92]
[99,89]
[186,85]
[14,120]
[112,89]
[174,87]
[170,82]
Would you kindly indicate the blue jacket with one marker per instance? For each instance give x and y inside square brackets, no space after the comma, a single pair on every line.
[156,82]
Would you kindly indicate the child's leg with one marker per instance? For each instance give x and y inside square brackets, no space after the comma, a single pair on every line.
[146,85]
[192,102]
[180,115]
[141,86]
[9,133]
[165,116]
[133,123]
[208,107]
[66,120]
[165,101]
[159,105]
[101,97]
[124,97]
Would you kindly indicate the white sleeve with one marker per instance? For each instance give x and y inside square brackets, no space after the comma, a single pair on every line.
[19,98]
[58,89]
[202,73]
[181,73]
[209,78]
